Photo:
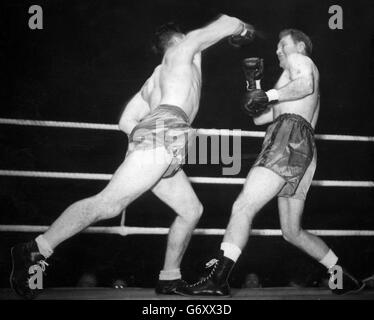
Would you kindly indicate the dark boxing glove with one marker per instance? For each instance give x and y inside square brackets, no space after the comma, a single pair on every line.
[253,110]
[245,37]
[253,70]
[256,101]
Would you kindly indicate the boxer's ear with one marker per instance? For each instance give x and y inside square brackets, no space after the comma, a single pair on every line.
[301,47]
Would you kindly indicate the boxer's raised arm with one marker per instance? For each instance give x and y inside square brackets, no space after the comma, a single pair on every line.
[134,111]
[202,38]
[300,69]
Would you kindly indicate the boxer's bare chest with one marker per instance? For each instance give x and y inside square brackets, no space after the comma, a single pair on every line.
[283,80]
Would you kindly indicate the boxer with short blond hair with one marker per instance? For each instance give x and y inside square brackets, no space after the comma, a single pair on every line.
[285,166]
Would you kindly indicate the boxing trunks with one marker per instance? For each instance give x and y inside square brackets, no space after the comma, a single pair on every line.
[166,126]
[289,150]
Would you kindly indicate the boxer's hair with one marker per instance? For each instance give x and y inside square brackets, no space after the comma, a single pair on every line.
[163,36]
[298,36]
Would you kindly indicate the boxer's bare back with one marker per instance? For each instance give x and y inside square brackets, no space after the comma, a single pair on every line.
[176,81]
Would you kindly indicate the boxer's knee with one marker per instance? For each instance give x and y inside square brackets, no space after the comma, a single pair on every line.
[106,208]
[192,212]
[291,234]
[198,211]
[242,207]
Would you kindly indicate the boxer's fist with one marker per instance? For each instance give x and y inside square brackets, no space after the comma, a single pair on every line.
[245,37]
[253,67]
[257,96]
[253,70]
[255,102]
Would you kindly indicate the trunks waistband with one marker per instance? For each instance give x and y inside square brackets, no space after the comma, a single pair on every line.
[174,110]
[294,116]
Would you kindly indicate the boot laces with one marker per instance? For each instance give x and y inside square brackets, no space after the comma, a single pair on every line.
[212,263]
[42,264]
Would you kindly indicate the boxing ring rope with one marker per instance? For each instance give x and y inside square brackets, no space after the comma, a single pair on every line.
[200,180]
[125,230]
[221,132]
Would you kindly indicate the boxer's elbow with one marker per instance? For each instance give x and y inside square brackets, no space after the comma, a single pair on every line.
[264,118]
[125,125]
[308,87]
[258,121]
[122,126]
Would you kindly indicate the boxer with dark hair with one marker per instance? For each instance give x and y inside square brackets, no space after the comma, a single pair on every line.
[158,122]
[165,35]
[284,168]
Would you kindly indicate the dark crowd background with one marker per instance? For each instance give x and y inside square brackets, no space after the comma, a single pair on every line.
[92,56]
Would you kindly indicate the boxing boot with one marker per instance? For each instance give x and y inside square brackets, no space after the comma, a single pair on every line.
[349,283]
[216,283]
[24,256]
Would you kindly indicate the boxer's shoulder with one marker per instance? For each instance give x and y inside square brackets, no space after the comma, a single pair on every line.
[298,59]
[299,64]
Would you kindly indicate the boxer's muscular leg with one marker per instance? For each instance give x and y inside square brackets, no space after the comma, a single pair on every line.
[290,213]
[260,187]
[178,194]
[137,174]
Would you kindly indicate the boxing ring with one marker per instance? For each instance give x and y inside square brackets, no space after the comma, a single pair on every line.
[123,230]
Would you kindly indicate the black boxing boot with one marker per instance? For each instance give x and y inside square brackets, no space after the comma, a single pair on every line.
[216,283]
[169,286]
[24,256]
[349,284]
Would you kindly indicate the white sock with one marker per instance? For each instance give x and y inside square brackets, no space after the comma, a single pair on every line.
[44,247]
[329,260]
[231,251]
[172,274]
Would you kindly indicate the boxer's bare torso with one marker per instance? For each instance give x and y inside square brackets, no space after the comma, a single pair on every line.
[307,107]
[177,80]
[175,83]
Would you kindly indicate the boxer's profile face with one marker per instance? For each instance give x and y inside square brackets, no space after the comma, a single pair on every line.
[287,46]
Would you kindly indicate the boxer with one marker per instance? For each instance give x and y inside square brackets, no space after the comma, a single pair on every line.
[167,103]
[285,166]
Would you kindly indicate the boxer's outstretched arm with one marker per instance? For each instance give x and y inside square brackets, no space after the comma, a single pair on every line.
[134,111]
[200,39]
[300,68]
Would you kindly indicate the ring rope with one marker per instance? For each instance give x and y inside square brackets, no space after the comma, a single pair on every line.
[124,231]
[59,124]
[222,132]
[201,180]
